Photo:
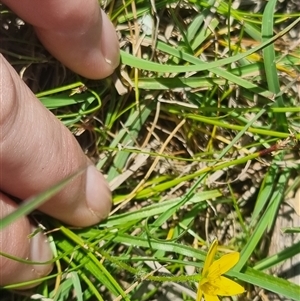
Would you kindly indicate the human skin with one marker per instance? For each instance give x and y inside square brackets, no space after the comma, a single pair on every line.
[36,150]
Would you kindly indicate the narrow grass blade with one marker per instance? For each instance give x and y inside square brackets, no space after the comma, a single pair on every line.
[34,202]
[126,137]
[263,223]
[278,258]
[132,61]
[279,286]
[270,63]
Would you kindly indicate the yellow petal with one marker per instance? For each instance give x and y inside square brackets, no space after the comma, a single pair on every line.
[222,286]
[210,288]
[211,298]
[199,294]
[210,257]
[222,265]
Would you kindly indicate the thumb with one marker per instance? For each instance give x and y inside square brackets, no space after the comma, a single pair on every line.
[37,151]
[78,33]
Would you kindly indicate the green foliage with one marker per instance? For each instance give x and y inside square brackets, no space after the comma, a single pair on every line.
[203,102]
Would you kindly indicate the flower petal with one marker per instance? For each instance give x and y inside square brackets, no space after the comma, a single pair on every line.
[222,265]
[211,298]
[222,286]
[210,288]
[199,294]
[210,257]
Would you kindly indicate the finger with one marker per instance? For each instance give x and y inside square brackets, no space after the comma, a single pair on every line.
[15,241]
[77,32]
[37,151]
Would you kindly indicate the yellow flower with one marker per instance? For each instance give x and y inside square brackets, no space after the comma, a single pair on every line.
[212,284]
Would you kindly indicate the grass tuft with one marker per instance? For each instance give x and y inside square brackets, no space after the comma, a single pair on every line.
[198,134]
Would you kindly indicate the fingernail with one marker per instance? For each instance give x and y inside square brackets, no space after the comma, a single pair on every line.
[98,194]
[40,251]
[110,44]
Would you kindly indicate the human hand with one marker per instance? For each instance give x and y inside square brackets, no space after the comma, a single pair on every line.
[36,150]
